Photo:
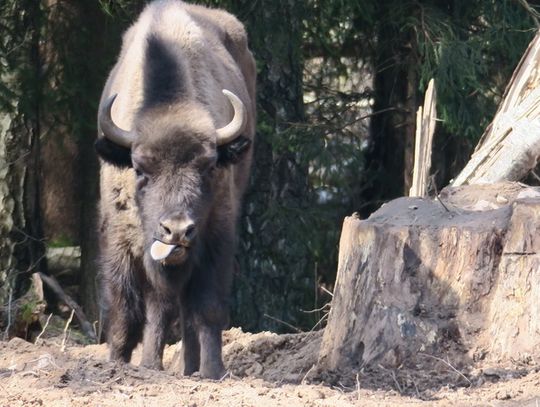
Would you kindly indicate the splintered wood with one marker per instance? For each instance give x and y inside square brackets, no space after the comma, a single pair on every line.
[425,128]
[510,146]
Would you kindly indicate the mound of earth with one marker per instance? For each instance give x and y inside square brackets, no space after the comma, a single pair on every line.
[264,369]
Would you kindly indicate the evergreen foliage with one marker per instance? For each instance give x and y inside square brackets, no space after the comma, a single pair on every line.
[318,156]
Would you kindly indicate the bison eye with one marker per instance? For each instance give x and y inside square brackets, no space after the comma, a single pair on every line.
[211,170]
[141,180]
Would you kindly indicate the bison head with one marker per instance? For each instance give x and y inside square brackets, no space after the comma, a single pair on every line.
[175,152]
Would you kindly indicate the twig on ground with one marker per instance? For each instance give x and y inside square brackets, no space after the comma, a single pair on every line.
[394,378]
[29,373]
[303,381]
[357,387]
[44,328]
[393,374]
[437,195]
[64,339]
[447,364]
[227,374]
[8,327]
[417,391]
[297,330]
[341,387]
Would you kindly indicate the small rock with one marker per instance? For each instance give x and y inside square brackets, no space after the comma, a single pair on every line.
[501,199]
[528,193]
[484,205]
[503,395]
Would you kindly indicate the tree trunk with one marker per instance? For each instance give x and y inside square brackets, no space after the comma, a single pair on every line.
[101,43]
[457,277]
[273,257]
[60,201]
[21,246]
[392,127]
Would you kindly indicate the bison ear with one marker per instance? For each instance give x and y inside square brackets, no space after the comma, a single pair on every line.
[113,153]
[232,152]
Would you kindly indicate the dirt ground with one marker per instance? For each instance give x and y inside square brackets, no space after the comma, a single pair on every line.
[265,369]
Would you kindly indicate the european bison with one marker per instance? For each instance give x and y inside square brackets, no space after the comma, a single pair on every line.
[176,121]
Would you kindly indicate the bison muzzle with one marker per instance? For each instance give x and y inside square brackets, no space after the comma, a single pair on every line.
[176,124]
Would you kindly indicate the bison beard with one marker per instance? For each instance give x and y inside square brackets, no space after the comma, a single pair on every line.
[176,120]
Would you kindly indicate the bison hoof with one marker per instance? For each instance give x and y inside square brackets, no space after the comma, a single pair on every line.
[154,365]
[214,372]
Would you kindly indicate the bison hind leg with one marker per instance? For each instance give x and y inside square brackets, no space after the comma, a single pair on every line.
[125,315]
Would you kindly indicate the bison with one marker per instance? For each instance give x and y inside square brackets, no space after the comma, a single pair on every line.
[176,124]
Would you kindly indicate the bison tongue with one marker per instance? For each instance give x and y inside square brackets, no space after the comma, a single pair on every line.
[160,250]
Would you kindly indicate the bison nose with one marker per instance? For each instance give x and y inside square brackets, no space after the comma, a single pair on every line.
[177,230]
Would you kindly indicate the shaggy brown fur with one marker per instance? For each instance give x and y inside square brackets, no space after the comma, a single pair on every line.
[174,63]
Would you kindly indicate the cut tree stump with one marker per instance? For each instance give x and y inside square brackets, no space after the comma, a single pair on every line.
[459,276]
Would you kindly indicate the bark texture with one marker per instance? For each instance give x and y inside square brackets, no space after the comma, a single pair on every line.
[419,276]
[390,155]
[21,248]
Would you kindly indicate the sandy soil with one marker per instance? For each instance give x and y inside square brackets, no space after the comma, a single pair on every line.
[265,369]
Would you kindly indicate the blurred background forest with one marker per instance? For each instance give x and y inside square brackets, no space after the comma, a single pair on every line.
[339,83]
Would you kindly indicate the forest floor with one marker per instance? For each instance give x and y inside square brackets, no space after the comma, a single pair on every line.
[265,369]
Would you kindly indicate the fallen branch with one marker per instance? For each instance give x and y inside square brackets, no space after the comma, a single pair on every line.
[86,326]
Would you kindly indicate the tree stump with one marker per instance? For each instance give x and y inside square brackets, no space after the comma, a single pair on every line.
[460,275]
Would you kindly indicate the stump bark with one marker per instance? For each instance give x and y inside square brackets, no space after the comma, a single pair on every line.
[458,276]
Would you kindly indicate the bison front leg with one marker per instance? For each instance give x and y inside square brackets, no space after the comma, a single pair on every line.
[201,342]
[190,346]
[211,360]
[157,319]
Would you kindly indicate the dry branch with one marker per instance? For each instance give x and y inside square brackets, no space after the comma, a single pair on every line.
[86,326]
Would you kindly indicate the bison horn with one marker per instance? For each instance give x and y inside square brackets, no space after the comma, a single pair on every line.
[234,128]
[111,130]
